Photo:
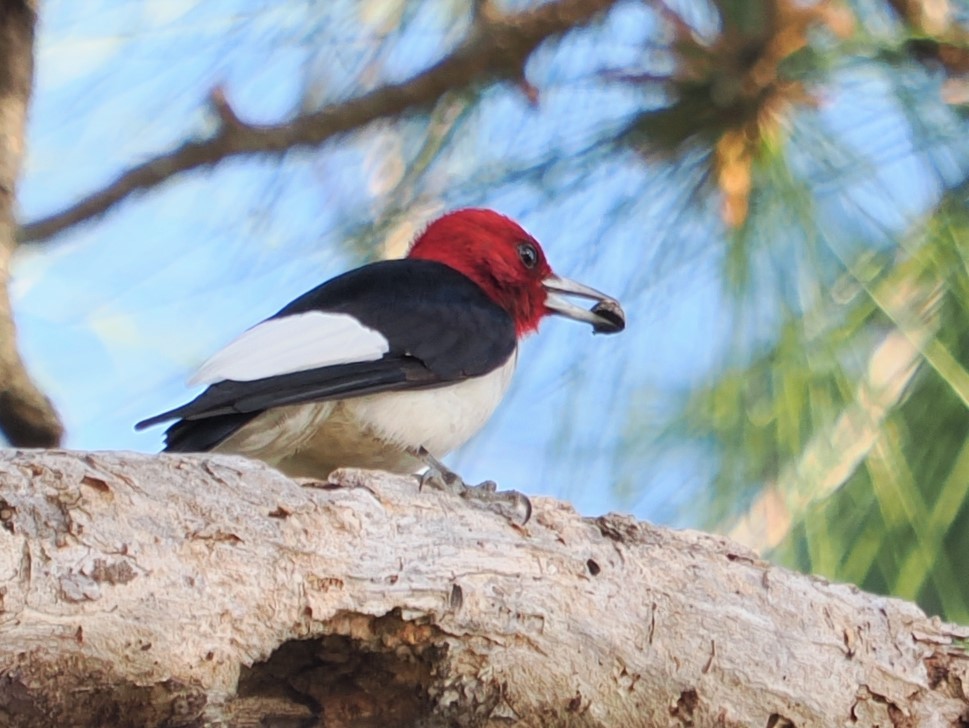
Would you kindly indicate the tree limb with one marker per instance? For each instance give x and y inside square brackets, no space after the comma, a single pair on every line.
[497,49]
[27,417]
[940,40]
[214,591]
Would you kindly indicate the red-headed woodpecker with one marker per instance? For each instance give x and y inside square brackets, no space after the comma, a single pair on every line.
[388,366]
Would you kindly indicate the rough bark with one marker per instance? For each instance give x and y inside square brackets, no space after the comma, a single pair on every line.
[198,590]
[27,417]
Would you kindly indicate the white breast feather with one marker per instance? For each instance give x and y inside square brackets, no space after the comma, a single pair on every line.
[293,344]
[440,419]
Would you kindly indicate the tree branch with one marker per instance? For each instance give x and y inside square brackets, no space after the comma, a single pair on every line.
[214,591]
[497,49]
[27,417]
[942,41]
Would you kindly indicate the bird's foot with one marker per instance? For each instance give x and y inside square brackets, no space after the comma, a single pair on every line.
[509,503]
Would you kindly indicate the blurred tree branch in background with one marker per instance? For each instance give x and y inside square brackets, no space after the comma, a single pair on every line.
[27,417]
[496,49]
[937,38]
[861,471]
[730,96]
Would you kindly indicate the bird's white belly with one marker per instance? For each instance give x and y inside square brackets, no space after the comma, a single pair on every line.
[374,431]
[440,419]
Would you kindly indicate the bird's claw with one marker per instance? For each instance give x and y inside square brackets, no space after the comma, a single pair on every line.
[488,486]
[511,504]
[447,481]
[505,502]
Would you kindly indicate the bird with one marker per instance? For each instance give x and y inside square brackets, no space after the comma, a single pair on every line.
[388,366]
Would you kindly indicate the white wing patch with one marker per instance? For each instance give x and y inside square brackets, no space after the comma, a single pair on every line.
[293,344]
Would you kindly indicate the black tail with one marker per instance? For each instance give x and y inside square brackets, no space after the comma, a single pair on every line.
[203,434]
[196,429]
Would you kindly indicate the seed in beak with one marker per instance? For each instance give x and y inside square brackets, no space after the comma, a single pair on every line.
[612,318]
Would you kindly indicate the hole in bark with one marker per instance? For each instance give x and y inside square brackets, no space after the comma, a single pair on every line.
[938,671]
[457,597]
[776,720]
[593,567]
[87,694]
[7,513]
[339,680]
[686,706]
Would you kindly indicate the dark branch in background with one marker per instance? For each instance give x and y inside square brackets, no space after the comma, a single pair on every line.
[940,41]
[27,417]
[497,49]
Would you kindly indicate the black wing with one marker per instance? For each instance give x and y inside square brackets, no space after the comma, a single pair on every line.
[441,328]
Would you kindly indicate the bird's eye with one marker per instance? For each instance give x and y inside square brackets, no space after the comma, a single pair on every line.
[528,255]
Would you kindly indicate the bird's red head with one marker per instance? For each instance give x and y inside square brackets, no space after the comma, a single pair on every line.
[509,265]
[497,254]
